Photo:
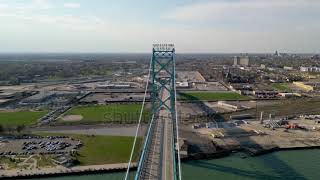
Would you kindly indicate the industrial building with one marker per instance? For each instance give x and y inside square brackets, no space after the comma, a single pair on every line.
[103,98]
[113,86]
[183,85]
[116,85]
[229,105]
[288,95]
[265,94]
[242,86]
[309,69]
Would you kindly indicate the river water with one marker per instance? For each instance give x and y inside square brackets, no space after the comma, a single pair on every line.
[286,165]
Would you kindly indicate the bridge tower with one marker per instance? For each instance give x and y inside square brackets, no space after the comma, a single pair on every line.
[160,155]
[163,77]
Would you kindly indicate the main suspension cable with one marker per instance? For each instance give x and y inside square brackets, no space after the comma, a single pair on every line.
[139,122]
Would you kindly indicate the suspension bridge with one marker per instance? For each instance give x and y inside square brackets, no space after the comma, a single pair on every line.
[159,158]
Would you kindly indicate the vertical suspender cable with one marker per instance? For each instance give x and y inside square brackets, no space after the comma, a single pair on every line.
[176,119]
[139,123]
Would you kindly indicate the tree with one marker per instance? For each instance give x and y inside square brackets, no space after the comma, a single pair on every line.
[14,81]
[1,129]
[20,128]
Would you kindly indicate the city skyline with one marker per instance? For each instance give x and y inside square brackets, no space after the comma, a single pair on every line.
[220,26]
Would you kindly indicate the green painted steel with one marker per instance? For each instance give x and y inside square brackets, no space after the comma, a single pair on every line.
[163,77]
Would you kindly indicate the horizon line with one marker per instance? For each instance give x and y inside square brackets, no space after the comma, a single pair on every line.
[87,52]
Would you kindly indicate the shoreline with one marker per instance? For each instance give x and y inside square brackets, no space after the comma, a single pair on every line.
[110,168]
[226,153]
[62,171]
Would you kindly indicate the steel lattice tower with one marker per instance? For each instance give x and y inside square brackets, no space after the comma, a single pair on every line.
[160,156]
[163,76]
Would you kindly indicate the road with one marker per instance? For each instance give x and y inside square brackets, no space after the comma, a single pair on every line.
[167,159]
[160,160]
[107,130]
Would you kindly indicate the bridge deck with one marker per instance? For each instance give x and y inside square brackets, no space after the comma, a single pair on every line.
[159,163]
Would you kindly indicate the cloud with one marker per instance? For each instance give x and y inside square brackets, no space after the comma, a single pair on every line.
[3,6]
[72,5]
[33,5]
[41,30]
[62,21]
[245,10]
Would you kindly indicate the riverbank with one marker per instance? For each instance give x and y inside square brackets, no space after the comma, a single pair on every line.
[249,151]
[280,165]
[121,167]
[251,137]
[201,146]
[63,171]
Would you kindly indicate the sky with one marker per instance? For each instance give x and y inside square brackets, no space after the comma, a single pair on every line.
[194,26]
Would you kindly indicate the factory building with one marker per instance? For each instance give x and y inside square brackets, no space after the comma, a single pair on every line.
[229,105]
[288,95]
[265,94]
[183,85]
[103,98]
[116,85]
[113,86]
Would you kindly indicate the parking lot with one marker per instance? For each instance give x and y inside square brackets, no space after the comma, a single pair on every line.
[28,145]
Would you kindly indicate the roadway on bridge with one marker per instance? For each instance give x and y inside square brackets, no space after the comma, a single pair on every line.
[159,164]
[167,160]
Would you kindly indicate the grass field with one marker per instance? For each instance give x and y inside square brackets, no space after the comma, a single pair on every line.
[211,96]
[282,108]
[25,118]
[281,87]
[104,149]
[124,113]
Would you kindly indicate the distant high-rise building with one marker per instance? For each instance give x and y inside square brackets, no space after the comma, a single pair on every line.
[241,61]
[277,54]
[236,61]
[244,61]
[316,57]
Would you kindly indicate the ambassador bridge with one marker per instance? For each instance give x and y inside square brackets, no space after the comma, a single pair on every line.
[159,158]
